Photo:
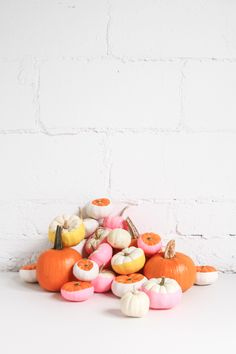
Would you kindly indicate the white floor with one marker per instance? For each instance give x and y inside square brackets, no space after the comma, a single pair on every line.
[35,321]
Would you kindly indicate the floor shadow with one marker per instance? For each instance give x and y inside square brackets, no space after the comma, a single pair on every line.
[113,313]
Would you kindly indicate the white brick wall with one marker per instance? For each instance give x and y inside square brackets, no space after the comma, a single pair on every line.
[133,99]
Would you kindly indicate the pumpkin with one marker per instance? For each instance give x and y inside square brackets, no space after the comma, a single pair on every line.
[73,229]
[99,236]
[90,225]
[163,293]
[134,304]
[102,255]
[81,248]
[77,290]
[85,269]
[119,238]
[150,243]
[115,221]
[103,281]
[124,283]
[205,275]
[128,261]
[28,273]
[54,266]
[171,264]
[99,208]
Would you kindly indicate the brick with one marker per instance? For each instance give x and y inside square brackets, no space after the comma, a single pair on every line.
[53,28]
[209,96]
[107,93]
[159,29]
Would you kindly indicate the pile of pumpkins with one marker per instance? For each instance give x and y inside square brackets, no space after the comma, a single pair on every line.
[104,252]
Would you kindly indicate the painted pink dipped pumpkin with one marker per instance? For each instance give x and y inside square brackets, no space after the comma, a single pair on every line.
[116,221]
[77,291]
[150,243]
[102,255]
[163,293]
[103,281]
[99,236]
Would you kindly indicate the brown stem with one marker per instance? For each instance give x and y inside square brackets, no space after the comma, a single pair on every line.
[98,232]
[162,281]
[65,226]
[58,239]
[132,228]
[170,250]
[123,210]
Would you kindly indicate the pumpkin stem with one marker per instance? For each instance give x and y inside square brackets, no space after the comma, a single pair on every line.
[98,233]
[132,228]
[80,213]
[58,239]
[123,210]
[170,250]
[162,281]
[66,226]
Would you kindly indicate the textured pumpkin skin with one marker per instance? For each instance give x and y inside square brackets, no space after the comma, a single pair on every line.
[54,268]
[180,267]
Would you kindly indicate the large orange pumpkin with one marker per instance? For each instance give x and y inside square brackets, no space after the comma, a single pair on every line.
[171,264]
[54,266]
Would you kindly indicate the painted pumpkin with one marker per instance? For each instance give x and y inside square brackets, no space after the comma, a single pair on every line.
[163,293]
[99,236]
[124,283]
[99,208]
[85,270]
[150,243]
[102,255]
[28,273]
[171,264]
[205,275]
[54,266]
[115,221]
[119,238]
[128,261]
[103,281]
[90,225]
[73,229]
[77,291]
[134,304]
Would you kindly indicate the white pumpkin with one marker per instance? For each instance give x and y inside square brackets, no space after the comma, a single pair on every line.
[99,208]
[205,275]
[86,270]
[125,283]
[134,304]
[90,225]
[28,273]
[119,238]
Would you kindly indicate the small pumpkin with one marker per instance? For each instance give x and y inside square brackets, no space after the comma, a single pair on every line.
[171,264]
[102,255]
[128,261]
[73,229]
[28,273]
[54,266]
[115,221]
[119,238]
[205,275]
[150,243]
[134,304]
[90,225]
[85,270]
[99,236]
[77,291]
[103,281]
[99,208]
[163,293]
[124,283]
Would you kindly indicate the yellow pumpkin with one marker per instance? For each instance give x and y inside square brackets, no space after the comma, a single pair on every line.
[129,260]
[73,230]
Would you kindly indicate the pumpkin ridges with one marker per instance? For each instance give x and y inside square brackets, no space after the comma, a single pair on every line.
[205,269]
[76,285]
[85,264]
[150,238]
[129,279]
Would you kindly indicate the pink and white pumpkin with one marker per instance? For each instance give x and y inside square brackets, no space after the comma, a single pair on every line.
[103,281]
[102,255]
[150,243]
[99,236]
[116,221]
[85,269]
[77,291]
[163,293]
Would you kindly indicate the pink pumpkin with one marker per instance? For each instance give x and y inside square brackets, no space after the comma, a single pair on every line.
[115,221]
[150,243]
[104,280]
[102,255]
[77,291]
[99,236]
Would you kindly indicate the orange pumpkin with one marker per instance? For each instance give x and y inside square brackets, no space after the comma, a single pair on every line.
[171,264]
[54,266]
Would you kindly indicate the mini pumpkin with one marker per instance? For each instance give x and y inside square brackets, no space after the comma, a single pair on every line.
[90,225]
[134,304]
[115,221]
[99,236]
[124,283]
[73,229]
[99,208]
[119,238]
[128,261]
[28,273]
[171,264]
[85,270]
[77,291]
[54,266]
[205,275]
[150,243]
[103,281]
[163,293]
[102,255]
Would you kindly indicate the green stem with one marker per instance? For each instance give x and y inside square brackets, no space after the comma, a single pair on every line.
[58,239]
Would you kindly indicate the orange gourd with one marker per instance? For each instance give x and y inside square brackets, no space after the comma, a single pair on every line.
[171,264]
[54,266]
